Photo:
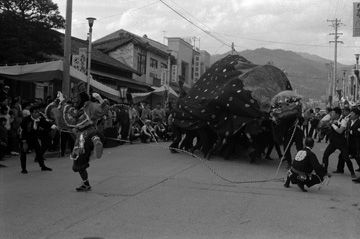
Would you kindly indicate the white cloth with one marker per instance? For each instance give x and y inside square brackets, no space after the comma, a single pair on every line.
[36,121]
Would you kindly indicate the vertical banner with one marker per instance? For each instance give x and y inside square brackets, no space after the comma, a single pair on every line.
[356,19]
[196,75]
[76,62]
[174,73]
[83,57]
[163,76]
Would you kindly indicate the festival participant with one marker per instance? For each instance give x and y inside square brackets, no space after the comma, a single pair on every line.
[324,126]
[338,141]
[83,119]
[81,116]
[301,171]
[353,137]
[34,133]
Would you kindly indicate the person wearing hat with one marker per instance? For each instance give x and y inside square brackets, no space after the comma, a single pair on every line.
[34,131]
[338,141]
[302,167]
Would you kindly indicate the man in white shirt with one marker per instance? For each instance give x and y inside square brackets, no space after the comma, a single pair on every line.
[338,140]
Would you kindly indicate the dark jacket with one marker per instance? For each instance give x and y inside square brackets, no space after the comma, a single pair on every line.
[306,161]
[28,132]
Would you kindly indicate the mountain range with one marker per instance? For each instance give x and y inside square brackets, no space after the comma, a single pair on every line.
[308,74]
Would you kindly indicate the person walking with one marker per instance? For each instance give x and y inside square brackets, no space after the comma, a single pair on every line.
[34,131]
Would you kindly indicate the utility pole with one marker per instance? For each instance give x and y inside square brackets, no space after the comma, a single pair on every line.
[335,24]
[232,48]
[344,84]
[67,50]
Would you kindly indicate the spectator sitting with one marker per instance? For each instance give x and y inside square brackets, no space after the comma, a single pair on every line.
[135,132]
[147,132]
[160,130]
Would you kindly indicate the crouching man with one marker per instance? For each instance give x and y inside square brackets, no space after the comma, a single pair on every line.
[301,171]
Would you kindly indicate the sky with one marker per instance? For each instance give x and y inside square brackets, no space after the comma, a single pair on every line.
[296,25]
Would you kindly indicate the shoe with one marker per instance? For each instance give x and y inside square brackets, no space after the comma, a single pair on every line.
[24,171]
[287,182]
[356,180]
[98,147]
[3,166]
[301,186]
[46,169]
[337,171]
[353,176]
[357,170]
[83,188]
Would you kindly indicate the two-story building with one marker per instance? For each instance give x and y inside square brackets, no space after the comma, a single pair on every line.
[150,58]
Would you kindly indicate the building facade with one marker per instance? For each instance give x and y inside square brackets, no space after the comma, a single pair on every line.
[204,61]
[150,58]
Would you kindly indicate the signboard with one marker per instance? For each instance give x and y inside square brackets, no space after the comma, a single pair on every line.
[83,62]
[174,73]
[76,62]
[163,77]
[196,75]
[356,19]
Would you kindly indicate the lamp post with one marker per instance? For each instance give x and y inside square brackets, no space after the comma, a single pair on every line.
[123,92]
[91,23]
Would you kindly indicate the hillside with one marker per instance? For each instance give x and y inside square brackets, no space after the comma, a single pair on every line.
[307,73]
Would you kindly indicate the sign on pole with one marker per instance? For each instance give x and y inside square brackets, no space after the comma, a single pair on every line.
[76,62]
[174,73]
[356,19]
[83,62]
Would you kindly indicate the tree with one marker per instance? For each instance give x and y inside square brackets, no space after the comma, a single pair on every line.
[27,30]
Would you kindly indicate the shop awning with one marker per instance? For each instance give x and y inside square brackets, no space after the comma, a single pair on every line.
[49,71]
[159,91]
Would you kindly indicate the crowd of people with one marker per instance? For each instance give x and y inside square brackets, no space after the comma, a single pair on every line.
[25,128]
[21,120]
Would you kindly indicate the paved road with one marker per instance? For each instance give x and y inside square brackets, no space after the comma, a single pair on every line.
[143,191]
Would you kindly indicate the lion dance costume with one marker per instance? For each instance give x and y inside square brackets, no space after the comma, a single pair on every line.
[80,117]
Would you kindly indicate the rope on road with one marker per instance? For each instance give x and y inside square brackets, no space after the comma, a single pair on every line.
[217,174]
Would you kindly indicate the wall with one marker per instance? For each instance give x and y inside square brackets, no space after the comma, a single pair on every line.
[184,54]
[125,53]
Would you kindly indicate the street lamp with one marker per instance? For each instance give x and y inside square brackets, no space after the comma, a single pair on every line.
[123,92]
[91,23]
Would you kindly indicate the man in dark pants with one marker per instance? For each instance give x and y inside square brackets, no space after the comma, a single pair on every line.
[338,141]
[177,135]
[34,133]
[303,165]
[3,140]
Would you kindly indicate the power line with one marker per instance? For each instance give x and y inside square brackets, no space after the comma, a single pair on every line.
[197,26]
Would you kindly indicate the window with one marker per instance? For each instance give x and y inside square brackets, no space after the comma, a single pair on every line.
[163,65]
[141,62]
[153,63]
